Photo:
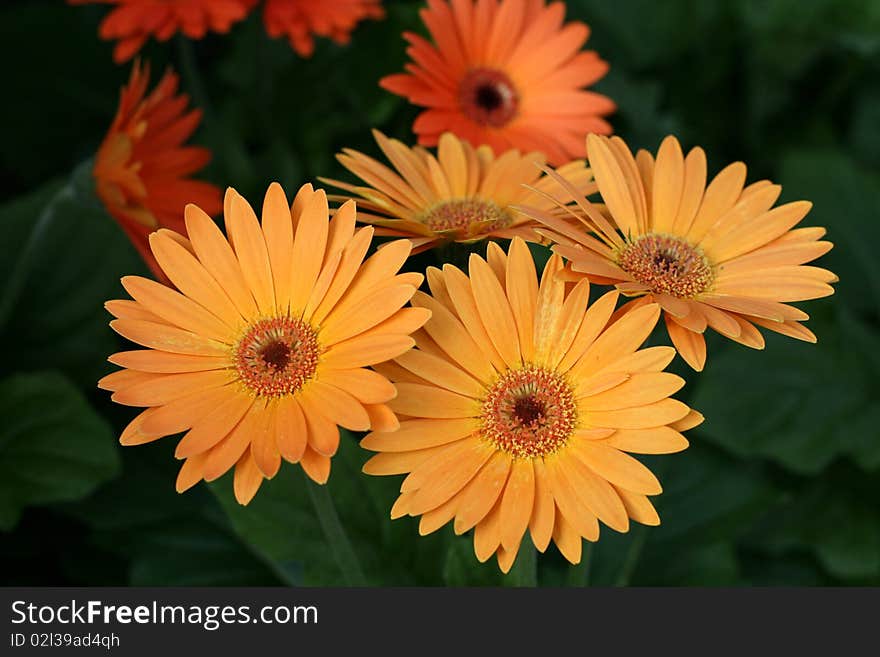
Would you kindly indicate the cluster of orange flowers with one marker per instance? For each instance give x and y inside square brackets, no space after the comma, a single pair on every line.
[511,403]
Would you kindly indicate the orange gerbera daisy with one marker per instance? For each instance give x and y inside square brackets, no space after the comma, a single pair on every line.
[507,74]
[715,256]
[463,195]
[298,20]
[141,167]
[262,352]
[132,22]
[519,405]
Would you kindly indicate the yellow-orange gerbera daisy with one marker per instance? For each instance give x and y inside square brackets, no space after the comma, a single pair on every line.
[519,405]
[132,22]
[142,165]
[298,20]
[719,256]
[463,194]
[262,351]
[507,74]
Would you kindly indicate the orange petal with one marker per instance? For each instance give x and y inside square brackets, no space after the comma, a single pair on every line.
[691,346]
[431,402]
[618,468]
[213,428]
[316,466]
[419,434]
[543,510]
[291,433]
[517,503]
[248,479]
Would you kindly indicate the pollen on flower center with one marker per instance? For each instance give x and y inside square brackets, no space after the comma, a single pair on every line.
[667,265]
[529,412]
[466,217]
[277,356]
[488,97]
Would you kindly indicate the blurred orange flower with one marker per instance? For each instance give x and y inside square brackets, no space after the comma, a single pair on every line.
[141,167]
[507,74]
[298,20]
[132,22]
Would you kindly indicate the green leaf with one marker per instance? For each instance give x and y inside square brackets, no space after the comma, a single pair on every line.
[798,404]
[708,495]
[163,538]
[53,447]
[281,525]
[846,201]
[67,262]
[840,527]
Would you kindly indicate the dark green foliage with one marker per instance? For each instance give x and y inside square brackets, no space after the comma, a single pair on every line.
[780,485]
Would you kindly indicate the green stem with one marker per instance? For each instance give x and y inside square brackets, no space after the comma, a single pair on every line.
[525,568]
[632,557]
[26,257]
[579,574]
[336,536]
[189,67]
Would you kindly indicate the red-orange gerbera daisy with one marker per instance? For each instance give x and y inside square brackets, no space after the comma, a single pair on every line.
[298,20]
[463,194]
[507,74]
[141,167]
[132,22]
[519,405]
[719,256]
[262,351]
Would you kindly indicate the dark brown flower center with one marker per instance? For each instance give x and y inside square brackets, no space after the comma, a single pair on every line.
[667,264]
[488,97]
[277,356]
[529,412]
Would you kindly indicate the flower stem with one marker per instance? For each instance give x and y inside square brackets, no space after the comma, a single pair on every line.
[27,254]
[579,574]
[190,69]
[525,568]
[342,548]
[632,557]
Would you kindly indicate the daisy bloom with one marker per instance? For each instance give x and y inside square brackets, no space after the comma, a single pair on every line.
[508,74]
[262,349]
[718,256]
[142,166]
[132,22]
[463,194]
[298,20]
[519,406]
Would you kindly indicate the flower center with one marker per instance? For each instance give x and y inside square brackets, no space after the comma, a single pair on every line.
[488,97]
[529,412]
[667,265]
[465,218]
[277,356]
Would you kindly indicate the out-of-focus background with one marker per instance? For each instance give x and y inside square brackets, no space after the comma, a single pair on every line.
[781,485]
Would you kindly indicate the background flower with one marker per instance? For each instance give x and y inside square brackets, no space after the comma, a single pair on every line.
[132,22]
[299,20]
[463,194]
[142,167]
[507,74]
